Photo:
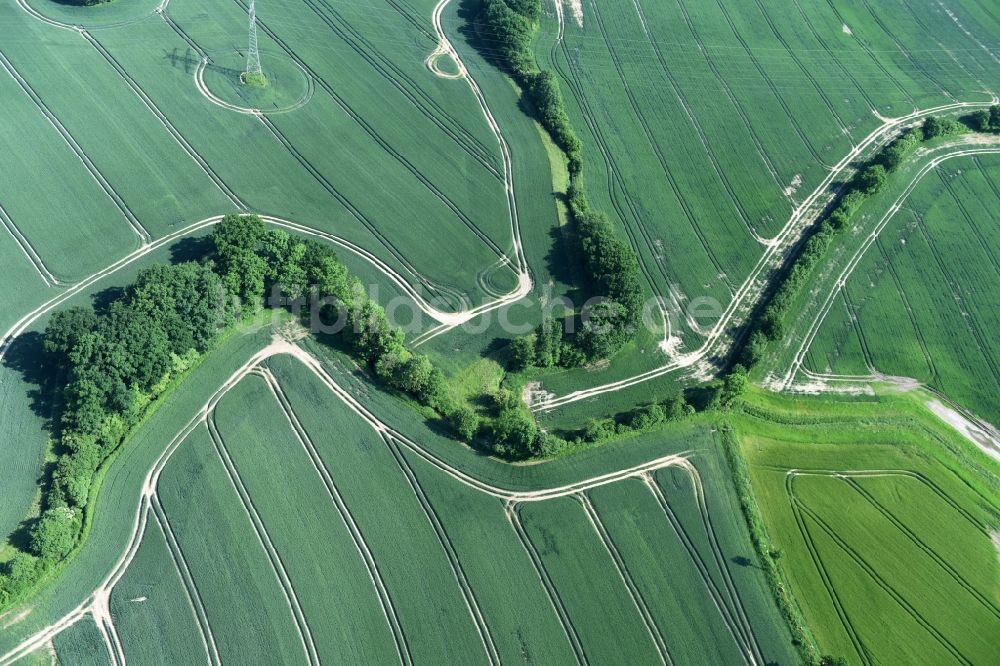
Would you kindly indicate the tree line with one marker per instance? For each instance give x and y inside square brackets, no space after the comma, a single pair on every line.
[768,325]
[111,364]
[610,264]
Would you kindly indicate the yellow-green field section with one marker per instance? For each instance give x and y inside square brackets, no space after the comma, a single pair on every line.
[888,545]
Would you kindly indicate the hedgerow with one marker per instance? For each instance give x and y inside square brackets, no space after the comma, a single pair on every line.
[768,325]
[611,265]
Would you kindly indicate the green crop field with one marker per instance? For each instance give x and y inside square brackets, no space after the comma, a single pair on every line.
[80,644]
[923,301]
[886,544]
[198,473]
[737,111]
[288,529]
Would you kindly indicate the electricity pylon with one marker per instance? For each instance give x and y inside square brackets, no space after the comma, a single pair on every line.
[253,55]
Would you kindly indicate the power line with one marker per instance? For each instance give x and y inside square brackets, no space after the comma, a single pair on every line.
[253,55]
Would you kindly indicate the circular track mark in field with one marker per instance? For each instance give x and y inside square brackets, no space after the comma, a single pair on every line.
[220,79]
[114,14]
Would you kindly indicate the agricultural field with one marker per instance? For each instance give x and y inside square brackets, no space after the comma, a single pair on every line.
[887,539]
[237,484]
[263,528]
[738,112]
[923,300]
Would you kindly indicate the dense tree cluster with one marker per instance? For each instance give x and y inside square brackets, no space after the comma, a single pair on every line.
[545,95]
[510,26]
[986,120]
[639,419]
[254,260]
[613,270]
[612,266]
[935,126]
[610,319]
[114,362]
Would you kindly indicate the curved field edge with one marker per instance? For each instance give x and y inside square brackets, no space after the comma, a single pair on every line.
[776,436]
[936,258]
[114,515]
[768,630]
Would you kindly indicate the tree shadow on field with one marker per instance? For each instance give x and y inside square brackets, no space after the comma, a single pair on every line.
[468,12]
[744,561]
[27,357]
[190,249]
[103,299]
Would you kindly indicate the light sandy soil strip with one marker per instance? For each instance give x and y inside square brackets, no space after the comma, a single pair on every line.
[101,610]
[976,431]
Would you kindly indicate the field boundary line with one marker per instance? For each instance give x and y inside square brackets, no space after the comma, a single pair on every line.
[882,583]
[360,43]
[314,365]
[183,570]
[357,537]
[626,577]
[785,381]
[923,546]
[389,149]
[28,249]
[144,237]
[732,589]
[274,558]
[718,599]
[550,589]
[167,124]
[752,287]
[458,572]
[842,615]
